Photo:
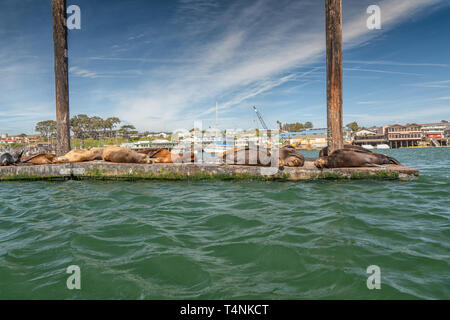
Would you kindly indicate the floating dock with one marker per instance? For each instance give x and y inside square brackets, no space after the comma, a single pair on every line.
[100,170]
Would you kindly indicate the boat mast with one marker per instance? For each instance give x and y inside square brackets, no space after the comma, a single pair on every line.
[217,115]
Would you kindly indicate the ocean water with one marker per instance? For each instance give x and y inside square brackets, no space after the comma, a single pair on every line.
[230,239]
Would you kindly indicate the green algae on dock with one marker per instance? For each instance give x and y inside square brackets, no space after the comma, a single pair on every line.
[99,170]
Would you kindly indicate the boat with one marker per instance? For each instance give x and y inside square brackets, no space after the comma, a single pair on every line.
[382,146]
[367,146]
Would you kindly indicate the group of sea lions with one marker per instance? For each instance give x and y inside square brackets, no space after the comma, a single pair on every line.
[349,156]
[111,154]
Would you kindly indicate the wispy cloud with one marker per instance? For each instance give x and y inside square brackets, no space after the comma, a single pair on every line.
[433,84]
[382,71]
[398,64]
[83,73]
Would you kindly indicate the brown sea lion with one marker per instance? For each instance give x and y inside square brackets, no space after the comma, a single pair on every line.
[345,158]
[165,156]
[246,156]
[77,155]
[38,159]
[324,151]
[124,155]
[288,156]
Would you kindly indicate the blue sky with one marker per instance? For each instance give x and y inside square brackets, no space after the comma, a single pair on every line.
[161,65]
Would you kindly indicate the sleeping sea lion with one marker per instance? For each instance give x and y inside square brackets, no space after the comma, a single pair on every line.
[77,155]
[289,157]
[345,158]
[7,159]
[324,151]
[246,156]
[38,159]
[165,156]
[125,155]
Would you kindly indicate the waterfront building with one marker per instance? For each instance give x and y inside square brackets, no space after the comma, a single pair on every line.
[400,136]
[435,132]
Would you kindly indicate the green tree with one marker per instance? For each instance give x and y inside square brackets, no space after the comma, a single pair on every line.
[127,130]
[80,125]
[46,128]
[111,123]
[308,125]
[353,126]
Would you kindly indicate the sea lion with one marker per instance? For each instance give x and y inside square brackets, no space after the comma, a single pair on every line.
[77,155]
[246,156]
[289,157]
[344,158]
[38,159]
[7,159]
[324,151]
[165,156]
[162,156]
[125,155]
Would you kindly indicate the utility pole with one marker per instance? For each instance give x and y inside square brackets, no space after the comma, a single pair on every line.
[334,74]
[61,76]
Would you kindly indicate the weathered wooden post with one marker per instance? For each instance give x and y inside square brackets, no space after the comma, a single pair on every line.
[61,76]
[334,74]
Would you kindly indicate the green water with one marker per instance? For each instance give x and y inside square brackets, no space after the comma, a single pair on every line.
[230,240]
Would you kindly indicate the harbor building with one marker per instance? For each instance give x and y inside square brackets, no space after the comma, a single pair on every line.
[399,136]
[435,132]
[365,137]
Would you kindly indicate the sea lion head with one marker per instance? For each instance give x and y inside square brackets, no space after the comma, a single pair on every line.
[321,162]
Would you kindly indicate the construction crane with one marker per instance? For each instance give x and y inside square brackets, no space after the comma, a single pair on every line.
[260,118]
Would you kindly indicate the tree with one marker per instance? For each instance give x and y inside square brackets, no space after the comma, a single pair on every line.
[95,125]
[444,121]
[46,128]
[308,125]
[111,123]
[353,126]
[80,125]
[126,130]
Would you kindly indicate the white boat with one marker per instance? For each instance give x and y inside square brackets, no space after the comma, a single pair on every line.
[368,146]
[382,146]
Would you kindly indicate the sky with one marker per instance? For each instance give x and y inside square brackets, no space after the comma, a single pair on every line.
[162,65]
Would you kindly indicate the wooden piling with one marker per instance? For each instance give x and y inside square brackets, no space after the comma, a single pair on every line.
[334,74]
[61,76]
